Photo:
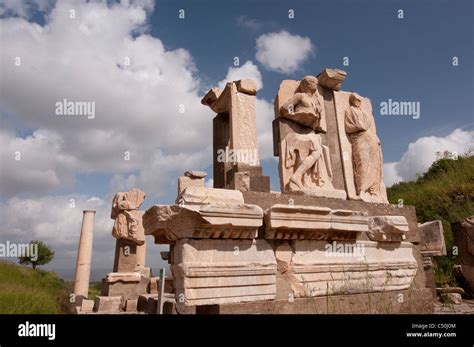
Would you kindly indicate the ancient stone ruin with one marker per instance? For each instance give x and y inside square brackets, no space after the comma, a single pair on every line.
[329,242]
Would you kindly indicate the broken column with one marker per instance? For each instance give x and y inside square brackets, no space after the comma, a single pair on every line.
[235,144]
[84,258]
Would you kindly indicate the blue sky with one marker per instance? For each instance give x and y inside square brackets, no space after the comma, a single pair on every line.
[408,59]
[175,61]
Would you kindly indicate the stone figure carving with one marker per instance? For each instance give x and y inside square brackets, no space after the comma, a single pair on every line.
[304,107]
[305,164]
[128,219]
[308,160]
[366,152]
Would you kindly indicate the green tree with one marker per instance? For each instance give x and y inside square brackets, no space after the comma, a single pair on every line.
[43,255]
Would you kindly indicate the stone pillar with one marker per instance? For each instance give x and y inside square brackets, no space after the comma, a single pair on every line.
[235,140]
[84,257]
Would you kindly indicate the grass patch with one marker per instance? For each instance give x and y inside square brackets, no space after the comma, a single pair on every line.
[24,290]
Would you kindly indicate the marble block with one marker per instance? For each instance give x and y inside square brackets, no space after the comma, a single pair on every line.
[208,272]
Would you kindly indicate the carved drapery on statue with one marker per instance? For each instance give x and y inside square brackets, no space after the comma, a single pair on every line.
[128,219]
[366,152]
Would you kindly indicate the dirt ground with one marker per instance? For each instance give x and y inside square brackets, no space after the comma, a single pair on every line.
[466,307]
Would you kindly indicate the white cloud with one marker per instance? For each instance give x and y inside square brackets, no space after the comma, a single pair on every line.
[248,70]
[137,110]
[390,175]
[36,163]
[422,153]
[52,220]
[138,107]
[162,171]
[282,51]
[248,23]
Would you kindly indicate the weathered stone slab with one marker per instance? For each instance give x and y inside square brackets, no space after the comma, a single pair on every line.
[168,223]
[211,96]
[313,223]
[267,200]
[126,285]
[108,304]
[322,269]
[332,78]
[432,242]
[387,228]
[195,174]
[210,272]
[246,177]
[87,306]
[203,195]
[191,179]
[131,305]
[247,86]
[123,277]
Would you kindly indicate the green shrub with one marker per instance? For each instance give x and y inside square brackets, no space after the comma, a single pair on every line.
[444,192]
